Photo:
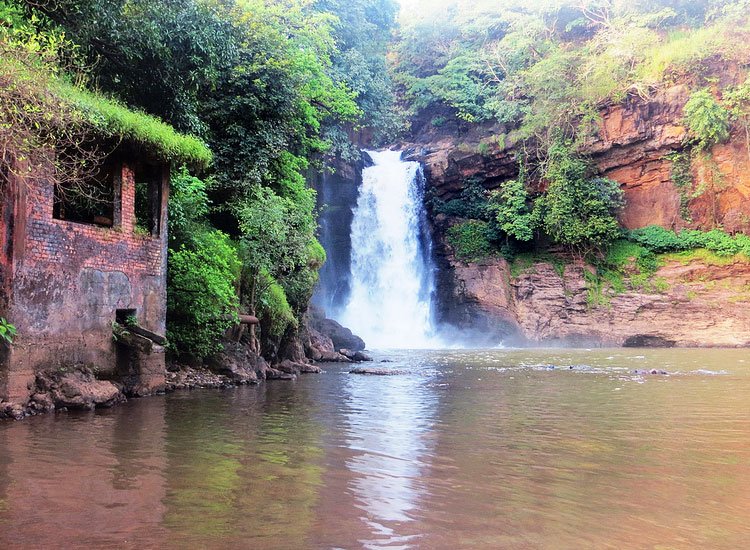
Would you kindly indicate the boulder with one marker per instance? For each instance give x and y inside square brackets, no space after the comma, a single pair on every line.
[356,356]
[340,336]
[275,374]
[377,372]
[333,357]
[76,388]
[317,344]
[292,367]
[237,363]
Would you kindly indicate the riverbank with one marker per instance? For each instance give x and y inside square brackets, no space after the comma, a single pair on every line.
[79,389]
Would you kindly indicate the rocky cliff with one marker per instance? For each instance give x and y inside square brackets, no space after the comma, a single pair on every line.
[639,144]
[692,304]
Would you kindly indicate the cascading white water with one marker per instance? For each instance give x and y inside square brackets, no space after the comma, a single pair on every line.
[392,279]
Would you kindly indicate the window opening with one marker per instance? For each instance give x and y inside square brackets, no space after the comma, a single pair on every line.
[148,184]
[89,199]
[125,317]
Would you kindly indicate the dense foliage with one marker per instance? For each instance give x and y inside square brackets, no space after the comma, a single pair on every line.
[577,210]
[538,75]
[545,67]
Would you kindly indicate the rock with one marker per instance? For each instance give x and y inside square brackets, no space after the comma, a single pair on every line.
[15,411]
[291,367]
[356,356]
[237,363]
[41,402]
[77,388]
[648,341]
[317,344]
[376,372]
[340,336]
[187,377]
[293,346]
[333,357]
[310,369]
[274,374]
[367,159]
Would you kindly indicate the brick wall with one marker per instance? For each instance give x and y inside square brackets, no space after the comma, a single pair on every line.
[68,280]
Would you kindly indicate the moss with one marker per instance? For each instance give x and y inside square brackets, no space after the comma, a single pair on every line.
[704,256]
[111,119]
[524,261]
[106,117]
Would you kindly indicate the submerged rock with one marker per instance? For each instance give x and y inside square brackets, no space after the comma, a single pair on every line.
[377,371]
[356,356]
[651,371]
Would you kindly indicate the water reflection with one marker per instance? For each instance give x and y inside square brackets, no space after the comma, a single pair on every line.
[388,423]
[244,468]
[66,475]
[481,449]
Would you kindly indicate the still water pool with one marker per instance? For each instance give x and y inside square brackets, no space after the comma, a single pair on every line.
[468,449]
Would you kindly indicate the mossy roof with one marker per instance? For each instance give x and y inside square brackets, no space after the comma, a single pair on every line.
[111,119]
[108,118]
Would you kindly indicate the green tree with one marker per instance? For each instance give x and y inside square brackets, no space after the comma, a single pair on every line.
[578,211]
[707,119]
[738,99]
[512,210]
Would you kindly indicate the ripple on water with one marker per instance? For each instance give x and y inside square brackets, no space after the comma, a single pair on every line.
[476,449]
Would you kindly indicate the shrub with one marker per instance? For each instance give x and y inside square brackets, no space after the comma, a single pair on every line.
[470,241]
[706,119]
[511,209]
[578,211]
[655,238]
[201,298]
[660,240]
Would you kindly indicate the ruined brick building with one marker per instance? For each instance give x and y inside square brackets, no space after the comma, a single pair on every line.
[69,271]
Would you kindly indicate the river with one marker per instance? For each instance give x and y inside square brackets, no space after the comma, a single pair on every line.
[466,449]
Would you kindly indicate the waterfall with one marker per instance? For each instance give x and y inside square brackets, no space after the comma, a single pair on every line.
[392,279]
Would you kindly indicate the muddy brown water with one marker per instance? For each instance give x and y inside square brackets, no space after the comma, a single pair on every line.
[468,449]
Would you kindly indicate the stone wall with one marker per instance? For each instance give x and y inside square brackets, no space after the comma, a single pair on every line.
[67,281]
